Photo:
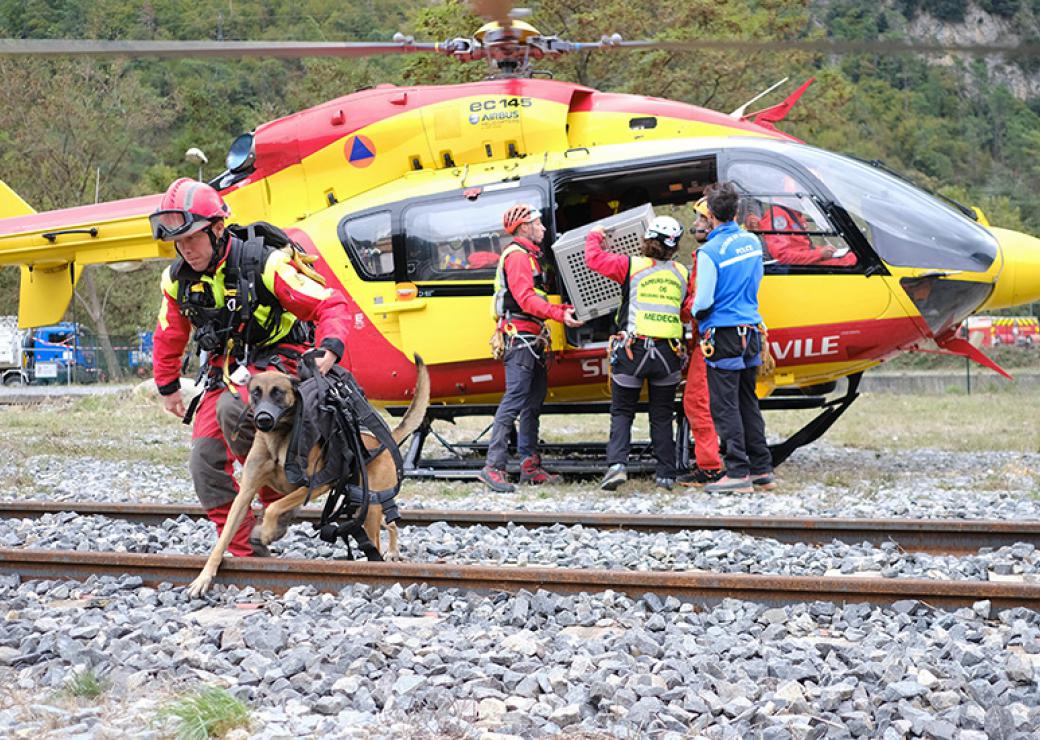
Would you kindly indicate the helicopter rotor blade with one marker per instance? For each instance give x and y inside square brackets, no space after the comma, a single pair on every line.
[42,48]
[825,46]
[196,49]
[499,11]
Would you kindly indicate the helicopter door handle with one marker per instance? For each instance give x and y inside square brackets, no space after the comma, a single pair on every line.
[416,304]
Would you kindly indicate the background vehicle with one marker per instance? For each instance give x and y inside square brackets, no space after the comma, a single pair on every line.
[61,353]
[1014,331]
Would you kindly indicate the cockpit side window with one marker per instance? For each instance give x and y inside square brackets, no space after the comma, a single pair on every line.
[461,237]
[905,225]
[368,241]
[795,232]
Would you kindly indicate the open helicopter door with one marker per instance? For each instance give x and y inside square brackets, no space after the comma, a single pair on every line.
[814,257]
[451,248]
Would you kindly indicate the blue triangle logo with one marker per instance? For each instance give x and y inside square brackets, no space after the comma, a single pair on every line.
[360,151]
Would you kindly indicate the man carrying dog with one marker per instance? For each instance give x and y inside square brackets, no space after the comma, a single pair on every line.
[248,307]
[521,310]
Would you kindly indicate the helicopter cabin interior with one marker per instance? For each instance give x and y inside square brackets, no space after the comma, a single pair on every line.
[449,244]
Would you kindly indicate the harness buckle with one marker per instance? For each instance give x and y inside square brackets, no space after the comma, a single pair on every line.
[708,343]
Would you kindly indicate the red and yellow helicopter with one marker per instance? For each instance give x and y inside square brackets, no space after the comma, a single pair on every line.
[400,191]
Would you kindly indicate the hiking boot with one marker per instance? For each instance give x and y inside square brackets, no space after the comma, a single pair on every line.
[616,475]
[726,484]
[665,483]
[764,481]
[532,473]
[698,477]
[496,480]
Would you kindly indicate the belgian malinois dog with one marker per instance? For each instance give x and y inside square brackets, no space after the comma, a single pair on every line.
[272,395]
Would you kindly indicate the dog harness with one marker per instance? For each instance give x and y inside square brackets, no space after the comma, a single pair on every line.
[332,411]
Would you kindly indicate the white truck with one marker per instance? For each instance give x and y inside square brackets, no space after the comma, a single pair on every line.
[12,343]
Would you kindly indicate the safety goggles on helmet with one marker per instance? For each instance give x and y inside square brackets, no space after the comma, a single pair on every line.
[175,223]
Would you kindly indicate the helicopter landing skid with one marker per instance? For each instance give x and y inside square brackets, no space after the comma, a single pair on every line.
[587,459]
[463,460]
[830,413]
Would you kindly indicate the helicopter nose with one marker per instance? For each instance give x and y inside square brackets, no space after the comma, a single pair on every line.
[1019,281]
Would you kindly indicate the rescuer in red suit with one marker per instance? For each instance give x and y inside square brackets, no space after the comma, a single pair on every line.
[696,402]
[249,308]
[521,308]
[795,249]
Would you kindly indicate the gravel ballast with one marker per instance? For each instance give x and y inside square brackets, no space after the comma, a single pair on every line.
[396,662]
[821,480]
[554,546]
[421,662]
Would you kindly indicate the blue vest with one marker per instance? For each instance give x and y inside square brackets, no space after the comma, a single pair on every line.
[737,256]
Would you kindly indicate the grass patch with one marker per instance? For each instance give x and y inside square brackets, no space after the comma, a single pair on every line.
[959,423]
[103,427]
[85,685]
[1003,355]
[993,420]
[208,712]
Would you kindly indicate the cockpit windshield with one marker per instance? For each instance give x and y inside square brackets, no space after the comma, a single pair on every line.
[905,225]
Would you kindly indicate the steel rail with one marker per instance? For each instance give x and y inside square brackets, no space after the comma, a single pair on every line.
[280,574]
[936,536]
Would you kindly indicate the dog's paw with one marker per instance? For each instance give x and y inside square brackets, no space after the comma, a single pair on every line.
[274,527]
[199,586]
[393,556]
[267,531]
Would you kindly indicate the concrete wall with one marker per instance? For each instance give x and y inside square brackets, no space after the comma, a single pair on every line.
[934,382]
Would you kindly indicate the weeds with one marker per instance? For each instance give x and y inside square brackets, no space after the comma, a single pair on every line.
[85,685]
[208,712]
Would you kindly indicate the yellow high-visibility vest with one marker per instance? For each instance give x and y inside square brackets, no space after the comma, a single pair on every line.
[656,291]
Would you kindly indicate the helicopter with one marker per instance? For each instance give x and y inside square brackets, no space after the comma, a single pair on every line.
[399,190]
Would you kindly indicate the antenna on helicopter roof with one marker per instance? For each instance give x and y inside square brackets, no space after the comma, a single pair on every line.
[739,112]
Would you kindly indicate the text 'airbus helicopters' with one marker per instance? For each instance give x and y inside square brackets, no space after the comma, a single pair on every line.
[400,192]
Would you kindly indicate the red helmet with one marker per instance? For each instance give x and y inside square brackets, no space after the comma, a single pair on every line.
[521,213]
[187,206]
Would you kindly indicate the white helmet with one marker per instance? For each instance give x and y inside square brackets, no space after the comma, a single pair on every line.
[666,230]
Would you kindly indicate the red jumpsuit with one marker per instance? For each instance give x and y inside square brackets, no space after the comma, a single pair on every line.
[519,269]
[793,249]
[696,402]
[212,456]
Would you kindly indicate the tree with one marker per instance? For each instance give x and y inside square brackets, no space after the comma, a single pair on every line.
[62,147]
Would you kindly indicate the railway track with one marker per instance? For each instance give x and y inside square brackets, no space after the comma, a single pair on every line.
[281,574]
[934,536]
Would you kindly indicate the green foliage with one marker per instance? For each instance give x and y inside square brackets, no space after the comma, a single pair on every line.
[1003,8]
[945,10]
[209,712]
[1009,358]
[85,685]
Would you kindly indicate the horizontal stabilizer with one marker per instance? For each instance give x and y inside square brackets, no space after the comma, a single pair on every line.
[53,248]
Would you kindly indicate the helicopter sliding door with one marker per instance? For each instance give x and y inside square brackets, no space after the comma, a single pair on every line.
[451,247]
[584,196]
[818,297]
